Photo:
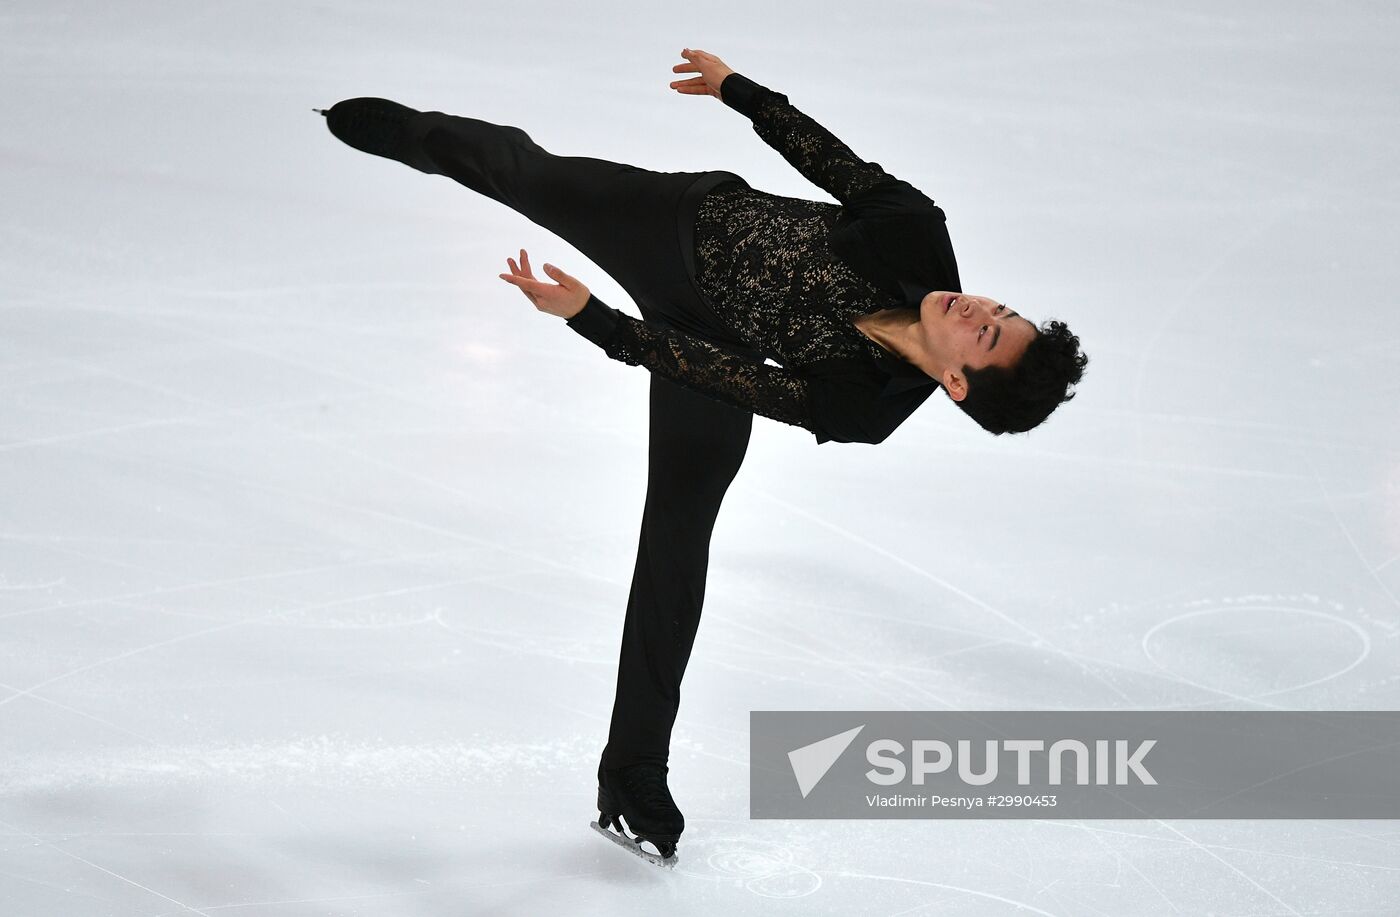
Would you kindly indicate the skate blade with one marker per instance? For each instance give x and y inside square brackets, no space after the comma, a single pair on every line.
[631,845]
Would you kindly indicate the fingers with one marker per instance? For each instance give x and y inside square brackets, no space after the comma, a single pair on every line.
[565,297]
[693,59]
[524,278]
[564,280]
[695,84]
[521,283]
[524,269]
[701,62]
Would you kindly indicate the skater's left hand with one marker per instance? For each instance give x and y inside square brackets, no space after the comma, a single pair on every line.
[565,298]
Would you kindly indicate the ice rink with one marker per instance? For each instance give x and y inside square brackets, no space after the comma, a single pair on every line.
[315,536]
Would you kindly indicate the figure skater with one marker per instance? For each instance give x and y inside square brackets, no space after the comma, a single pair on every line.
[859,304]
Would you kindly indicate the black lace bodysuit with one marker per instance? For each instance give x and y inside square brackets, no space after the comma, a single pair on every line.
[766,265]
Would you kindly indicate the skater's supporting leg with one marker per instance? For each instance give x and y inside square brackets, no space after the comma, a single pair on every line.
[696,445]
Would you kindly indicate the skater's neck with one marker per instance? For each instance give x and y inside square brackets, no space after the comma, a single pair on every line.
[895,330]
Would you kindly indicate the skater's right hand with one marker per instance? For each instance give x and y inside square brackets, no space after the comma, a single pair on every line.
[564,298]
[712,72]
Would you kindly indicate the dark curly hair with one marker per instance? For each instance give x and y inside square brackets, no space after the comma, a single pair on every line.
[1019,399]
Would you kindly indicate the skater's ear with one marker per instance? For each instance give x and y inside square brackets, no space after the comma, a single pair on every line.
[955,383]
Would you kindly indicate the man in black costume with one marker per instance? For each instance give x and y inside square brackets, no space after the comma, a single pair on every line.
[860,304]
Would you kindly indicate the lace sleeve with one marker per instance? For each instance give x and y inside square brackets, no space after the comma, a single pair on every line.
[768,391]
[742,382]
[811,149]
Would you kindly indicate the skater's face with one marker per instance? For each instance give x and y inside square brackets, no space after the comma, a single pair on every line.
[963,330]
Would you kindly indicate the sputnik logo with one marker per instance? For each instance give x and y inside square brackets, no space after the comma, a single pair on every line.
[811,762]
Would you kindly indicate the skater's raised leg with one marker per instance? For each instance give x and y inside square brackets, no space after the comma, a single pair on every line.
[620,216]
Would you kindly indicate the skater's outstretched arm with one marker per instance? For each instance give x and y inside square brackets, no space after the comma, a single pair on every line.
[697,364]
[811,149]
[822,406]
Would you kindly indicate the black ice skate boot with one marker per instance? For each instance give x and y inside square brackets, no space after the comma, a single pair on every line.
[638,792]
[376,126]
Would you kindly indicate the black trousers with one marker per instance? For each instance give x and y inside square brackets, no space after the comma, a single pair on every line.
[624,219]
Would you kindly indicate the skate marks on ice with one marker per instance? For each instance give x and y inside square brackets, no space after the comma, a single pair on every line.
[313,760]
[764,868]
[1245,649]
[770,870]
[1240,649]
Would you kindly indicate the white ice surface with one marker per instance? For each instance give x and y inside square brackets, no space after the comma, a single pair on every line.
[315,536]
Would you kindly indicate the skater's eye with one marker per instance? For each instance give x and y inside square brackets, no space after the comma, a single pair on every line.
[996,335]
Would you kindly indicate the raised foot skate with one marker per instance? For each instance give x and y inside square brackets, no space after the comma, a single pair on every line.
[376,126]
[665,845]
